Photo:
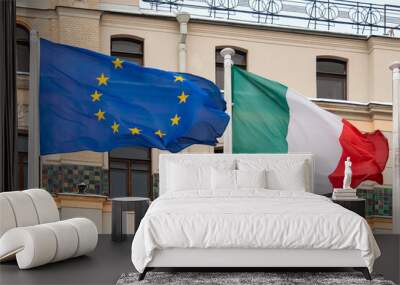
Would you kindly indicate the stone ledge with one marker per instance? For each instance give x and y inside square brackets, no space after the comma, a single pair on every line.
[85,201]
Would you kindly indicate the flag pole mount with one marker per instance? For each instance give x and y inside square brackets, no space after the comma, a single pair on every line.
[395,67]
[227,54]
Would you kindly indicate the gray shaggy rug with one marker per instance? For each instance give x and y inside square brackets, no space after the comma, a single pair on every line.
[243,278]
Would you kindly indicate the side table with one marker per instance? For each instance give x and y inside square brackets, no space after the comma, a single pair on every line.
[121,204]
[355,205]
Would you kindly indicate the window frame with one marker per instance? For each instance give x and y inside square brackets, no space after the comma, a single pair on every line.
[130,162]
[22,155]
[138,56]
[22,42]
[343,76]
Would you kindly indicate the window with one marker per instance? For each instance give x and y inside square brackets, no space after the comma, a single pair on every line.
[22,46]
[130,172]
[331,78]
[127,49]
[239,59]
[219,149]
[130,167]
[22,160]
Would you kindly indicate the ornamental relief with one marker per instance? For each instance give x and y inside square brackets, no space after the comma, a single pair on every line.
[22,116]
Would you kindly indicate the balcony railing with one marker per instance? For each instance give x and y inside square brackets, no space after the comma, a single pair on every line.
[341,16]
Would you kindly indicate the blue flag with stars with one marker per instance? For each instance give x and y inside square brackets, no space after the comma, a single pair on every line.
[91,101]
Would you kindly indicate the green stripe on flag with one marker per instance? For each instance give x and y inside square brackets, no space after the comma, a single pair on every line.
[260,116]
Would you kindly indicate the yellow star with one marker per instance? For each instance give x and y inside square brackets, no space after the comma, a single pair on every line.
[115,127]
[117,63]
[178,78]
[100,115]
[135,131]
[102,79]
[175,120]
[182,98]
[96,96]
[159,133]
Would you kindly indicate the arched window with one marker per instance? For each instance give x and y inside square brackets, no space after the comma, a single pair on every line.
[128,49]
[239,59]
[331,78]
[22,46]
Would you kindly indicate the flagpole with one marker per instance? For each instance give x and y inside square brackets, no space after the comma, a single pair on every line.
[395,67]
[33,135]
[227,53]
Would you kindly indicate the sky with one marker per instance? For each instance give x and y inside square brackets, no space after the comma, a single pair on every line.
[392,2]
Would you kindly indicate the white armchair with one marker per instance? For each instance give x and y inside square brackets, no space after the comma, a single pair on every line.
[31,230]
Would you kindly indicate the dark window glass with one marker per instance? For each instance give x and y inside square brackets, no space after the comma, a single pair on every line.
[22,161]
[141,183]
[130,167]
[131,153]
[119,180]
[239,59]
[331,79]
[22,46]
[127,49]
[218,149]
[130,172]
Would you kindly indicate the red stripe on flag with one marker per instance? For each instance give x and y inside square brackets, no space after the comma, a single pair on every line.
[368,152]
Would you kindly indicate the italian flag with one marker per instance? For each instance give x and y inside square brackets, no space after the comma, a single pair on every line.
[268,117]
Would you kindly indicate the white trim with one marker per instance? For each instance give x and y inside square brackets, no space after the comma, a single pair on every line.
[347,102]
[395,67]
[227,54]
[255,257]
[118,8]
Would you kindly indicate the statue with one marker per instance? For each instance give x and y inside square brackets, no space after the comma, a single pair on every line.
[347,174]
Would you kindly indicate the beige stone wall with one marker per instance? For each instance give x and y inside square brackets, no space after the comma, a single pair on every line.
[160,38]
[382,53]
[79,27]
[285,56]
[45,22]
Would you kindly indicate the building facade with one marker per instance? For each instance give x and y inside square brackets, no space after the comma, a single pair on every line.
[346,74]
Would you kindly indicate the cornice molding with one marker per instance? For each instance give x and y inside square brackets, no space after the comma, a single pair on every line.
[79,12]
[387,44]
[22,81]
[140,23]
[283,29]
[59,159]
[119,8]
[36,13]
[277,37]
[369,112]
[208,29]
[42,4]
[218,28]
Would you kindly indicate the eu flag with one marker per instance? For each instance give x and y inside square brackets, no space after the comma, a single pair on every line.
[91,101]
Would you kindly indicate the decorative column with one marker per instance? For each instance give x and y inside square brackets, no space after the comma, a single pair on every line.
[395,67]
[227,53]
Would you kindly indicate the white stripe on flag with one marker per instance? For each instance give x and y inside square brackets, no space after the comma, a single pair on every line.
[314,130]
